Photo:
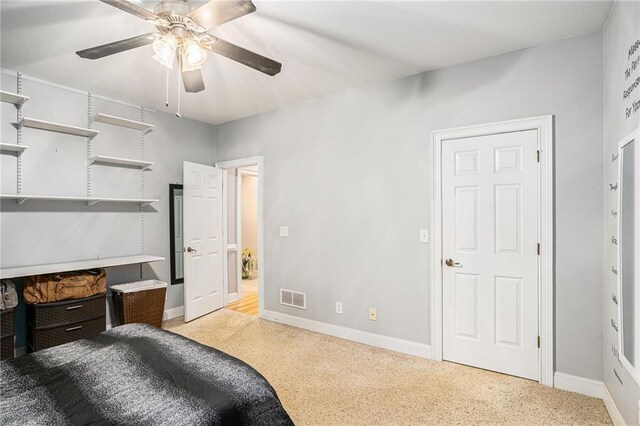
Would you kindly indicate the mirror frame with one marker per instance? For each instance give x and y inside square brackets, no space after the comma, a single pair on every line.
[634,371]
[172,245]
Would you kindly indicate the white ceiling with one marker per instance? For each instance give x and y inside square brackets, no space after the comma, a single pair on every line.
[325,46]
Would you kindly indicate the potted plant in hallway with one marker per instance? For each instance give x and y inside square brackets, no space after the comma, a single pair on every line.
[248,263]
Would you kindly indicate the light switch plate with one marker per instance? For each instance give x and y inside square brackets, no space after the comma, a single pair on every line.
[424,235]
[284,231]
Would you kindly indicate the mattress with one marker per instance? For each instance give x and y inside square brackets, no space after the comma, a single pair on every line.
[136,374]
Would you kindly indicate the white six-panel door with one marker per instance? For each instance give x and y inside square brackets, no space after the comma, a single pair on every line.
[203,256]
[489,246]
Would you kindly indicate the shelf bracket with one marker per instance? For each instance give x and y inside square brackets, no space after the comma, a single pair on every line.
[21,201]
[92,202]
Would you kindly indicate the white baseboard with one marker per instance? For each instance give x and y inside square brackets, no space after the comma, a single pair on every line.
[612,408]
[173,313]
[232,297]
[577,384]
[592,388]
[367,338]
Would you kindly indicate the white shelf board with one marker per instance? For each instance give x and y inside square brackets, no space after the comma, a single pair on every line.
[13,98]
[21,198]
[24,271]
[103,159]
[123,122]
[57,127]
[12,147]
[143,201]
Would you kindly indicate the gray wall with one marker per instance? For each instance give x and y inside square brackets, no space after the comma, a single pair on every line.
[350,174]
[56,164]
[621,31]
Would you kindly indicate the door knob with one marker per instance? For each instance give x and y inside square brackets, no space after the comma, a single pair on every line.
[451,263]
[191,250]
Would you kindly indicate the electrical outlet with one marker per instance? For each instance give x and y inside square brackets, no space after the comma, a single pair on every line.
[284,231]
[373,315]
[338,307]
[424,235]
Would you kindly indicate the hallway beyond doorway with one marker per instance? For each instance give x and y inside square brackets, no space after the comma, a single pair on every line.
[249,302]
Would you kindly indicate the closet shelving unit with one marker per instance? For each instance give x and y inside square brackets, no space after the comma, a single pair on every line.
[57,127]
[13,148]
[13,98]
[18,149]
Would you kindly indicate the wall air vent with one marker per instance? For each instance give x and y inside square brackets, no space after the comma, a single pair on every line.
[292,298]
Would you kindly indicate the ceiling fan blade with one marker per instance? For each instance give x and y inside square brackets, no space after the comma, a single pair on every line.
[192,80]
[117,46]
[218,12]
[244,56]
[133,9]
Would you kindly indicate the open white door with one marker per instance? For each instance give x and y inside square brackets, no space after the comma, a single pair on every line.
[203,257]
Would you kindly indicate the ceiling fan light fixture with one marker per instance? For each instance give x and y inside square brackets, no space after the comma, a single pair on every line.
[194,55]
[165,49]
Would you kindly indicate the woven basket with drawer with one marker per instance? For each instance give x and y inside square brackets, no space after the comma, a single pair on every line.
[140,302]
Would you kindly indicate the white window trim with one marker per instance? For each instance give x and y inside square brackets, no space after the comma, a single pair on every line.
[544,127]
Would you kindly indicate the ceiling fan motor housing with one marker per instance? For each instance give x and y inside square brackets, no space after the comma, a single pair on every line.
[174,13]
[175,7]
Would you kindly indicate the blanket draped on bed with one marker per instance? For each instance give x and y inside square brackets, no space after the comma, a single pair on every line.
[135,374]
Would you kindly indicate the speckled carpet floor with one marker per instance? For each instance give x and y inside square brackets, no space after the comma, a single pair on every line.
[322,380]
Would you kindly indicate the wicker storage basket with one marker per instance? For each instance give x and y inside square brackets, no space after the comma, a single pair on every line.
[141,301]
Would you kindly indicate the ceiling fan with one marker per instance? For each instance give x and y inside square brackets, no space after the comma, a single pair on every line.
[182,37]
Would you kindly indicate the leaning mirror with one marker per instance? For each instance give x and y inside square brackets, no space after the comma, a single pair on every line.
[628,256]
[175,234]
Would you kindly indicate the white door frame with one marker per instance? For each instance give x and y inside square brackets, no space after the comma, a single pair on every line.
[544,127]
[235,164]
[227,248]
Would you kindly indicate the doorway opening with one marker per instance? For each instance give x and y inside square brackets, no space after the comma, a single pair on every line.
[245,255]
[244,272]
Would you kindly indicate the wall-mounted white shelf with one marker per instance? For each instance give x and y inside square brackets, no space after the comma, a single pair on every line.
[143,201]
[22,198]
[13,98]
[24,271]
[57,127]
[115,161]
[13,148]
[123,122]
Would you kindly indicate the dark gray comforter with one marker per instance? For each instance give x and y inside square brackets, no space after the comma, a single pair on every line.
[135,374]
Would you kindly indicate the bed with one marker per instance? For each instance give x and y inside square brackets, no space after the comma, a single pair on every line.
[136,374]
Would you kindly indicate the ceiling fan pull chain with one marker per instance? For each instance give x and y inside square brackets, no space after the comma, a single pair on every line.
[179,85]
[166,102]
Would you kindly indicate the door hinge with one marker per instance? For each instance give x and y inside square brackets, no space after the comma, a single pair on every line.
[538,156]
[538,249]
[538,341]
